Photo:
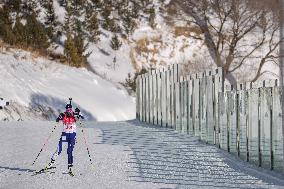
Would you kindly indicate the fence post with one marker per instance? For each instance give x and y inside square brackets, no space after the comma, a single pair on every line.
[163,97]
[172,98]
[185,107]
[202,107]
[223,108]
[253,130]
[168,91]
[277,136]
[143,98]
[150,78]
[137,97]
[210,109]
[265,125]
[159,85]
[180,102]
[146,97]
[232,121]
[177,106]
[242,106]
[218,88]
[190,107]
[153,94]
[196,115]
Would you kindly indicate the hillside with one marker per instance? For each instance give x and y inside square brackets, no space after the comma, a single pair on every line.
[101,43]
[38,89]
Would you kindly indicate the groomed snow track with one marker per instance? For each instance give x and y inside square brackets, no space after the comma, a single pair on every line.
[125,155]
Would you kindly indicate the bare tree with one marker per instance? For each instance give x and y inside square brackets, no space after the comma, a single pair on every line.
[234,32]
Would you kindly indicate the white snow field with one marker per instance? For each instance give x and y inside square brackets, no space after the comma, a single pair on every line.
[34,84]
[125,155]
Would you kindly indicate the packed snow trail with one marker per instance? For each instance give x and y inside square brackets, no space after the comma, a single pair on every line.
[125,155]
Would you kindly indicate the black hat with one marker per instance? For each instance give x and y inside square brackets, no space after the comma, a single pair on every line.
[68,106]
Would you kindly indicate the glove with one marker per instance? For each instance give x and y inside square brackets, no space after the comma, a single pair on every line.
[77,110]
[60,117]
[80,117]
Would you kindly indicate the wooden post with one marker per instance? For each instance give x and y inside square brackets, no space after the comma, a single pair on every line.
[172,81]
[150,79]
[202,108]
[277,136]
[196,115]
[143,97]
[190,107]
[210,110]
[242,121]
[185,107]
[265,126]
[168,105]
[232,122]
[137,98]
[154,97]
[159,98]
[253,129]
[218,83]
[223,106]
[163,97]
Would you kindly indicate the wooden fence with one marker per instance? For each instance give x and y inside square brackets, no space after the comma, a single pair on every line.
[246,122]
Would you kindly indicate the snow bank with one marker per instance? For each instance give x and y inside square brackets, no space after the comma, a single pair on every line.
[46,85]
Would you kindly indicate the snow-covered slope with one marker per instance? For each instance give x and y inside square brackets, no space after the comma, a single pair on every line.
[39,89]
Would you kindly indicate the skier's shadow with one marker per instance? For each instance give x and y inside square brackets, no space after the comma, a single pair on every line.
[16,169]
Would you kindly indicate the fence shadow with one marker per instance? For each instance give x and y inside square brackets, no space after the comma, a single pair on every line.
[162,155]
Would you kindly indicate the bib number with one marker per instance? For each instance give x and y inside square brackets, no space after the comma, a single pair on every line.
[68,127]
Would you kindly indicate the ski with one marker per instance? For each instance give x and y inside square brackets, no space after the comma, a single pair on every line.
[44,170]
[70,173]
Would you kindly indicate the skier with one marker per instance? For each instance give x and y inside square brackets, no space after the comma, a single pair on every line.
[68,135]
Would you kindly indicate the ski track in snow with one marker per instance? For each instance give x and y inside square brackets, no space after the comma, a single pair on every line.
[125,155]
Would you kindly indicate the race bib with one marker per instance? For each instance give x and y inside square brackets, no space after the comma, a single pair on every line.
[69,128]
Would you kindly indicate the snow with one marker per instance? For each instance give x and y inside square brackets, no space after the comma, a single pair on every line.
[112,65]
[59,11]
[124,155]
[33,81]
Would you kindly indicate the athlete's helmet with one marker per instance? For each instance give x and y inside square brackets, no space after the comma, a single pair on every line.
[69,111]
[68,106]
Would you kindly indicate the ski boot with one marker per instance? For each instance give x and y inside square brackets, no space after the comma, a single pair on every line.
[49,166]
[46,168]
[70,172]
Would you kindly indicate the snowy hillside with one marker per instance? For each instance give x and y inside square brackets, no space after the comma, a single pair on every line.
[39,89]
[150,34]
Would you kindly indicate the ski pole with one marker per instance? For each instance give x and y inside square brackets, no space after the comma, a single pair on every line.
[44,144]
[86,143]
